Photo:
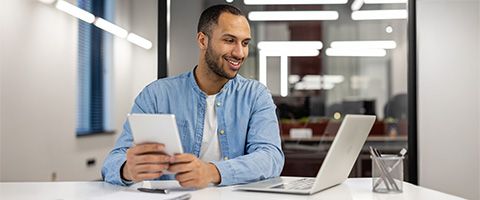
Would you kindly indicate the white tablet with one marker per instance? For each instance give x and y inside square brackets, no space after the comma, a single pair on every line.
[156,128]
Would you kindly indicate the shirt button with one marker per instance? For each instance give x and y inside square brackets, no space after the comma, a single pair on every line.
[219,104]
[222,132]
[225,158]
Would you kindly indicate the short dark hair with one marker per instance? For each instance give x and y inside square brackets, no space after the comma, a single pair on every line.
[210,17]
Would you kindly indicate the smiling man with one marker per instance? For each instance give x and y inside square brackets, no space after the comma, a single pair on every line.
[227,124]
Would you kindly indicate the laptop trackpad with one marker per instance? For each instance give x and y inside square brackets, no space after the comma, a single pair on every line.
[268,183]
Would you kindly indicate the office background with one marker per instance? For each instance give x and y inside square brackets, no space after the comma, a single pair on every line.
[38,64]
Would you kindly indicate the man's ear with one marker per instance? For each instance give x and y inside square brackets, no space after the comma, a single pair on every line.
[202,40]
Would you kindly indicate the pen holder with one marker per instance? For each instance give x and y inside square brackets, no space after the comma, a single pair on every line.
[387,174]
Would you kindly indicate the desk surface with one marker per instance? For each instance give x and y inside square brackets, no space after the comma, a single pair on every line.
[354,188]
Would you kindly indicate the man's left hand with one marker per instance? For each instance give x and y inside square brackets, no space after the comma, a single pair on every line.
[193,172]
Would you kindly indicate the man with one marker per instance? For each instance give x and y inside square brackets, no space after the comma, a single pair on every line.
[227,123]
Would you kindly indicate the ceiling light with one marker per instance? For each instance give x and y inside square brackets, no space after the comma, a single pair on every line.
[284,76]
[292,2]
[333,78]
[47,1]
[293,78]
[290,45]
[109,27]
[357,4]
[290,52]
[318,82]
[356,52]
[292,15]
[384,1]
[75,11]
[379,14]
[389,29]
[381,44]
[140,41]
[284,49]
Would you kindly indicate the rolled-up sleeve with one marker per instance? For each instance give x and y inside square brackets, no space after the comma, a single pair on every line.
[264,157]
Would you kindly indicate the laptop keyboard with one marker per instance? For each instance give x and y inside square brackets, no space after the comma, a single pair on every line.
[301,184]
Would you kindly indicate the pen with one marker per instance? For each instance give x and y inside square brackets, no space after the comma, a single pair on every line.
[383,165]
[382,173]
[390,169]
[153,190]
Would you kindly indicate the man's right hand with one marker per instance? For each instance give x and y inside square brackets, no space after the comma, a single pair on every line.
[145,162]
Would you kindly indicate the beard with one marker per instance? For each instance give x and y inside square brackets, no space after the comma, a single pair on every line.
[211,58]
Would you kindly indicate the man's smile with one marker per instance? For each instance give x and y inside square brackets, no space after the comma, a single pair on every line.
[233,63]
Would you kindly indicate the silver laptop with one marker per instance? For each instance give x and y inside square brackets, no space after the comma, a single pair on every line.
[336,167]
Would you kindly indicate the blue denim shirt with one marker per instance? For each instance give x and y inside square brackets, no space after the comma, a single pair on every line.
[248,129]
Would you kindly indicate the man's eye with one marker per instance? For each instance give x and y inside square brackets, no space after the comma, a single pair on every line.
[245,43]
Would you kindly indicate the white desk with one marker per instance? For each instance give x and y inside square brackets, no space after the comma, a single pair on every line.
[352,189]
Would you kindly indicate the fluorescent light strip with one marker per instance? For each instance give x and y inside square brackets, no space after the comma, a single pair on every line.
[111,28]
[357,4]
[140,41]
[75,11]
[385,44]
[275,45]
[292,15]
[290,52]
[333,78]
[356,52]
[384,1]
[293,2]
[262,68]
[284,54]
[47,1]
[379,14]
[317,82]
[100,23]
[284,76]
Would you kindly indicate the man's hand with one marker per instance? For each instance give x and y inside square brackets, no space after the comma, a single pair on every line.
[145,161]
[193,172]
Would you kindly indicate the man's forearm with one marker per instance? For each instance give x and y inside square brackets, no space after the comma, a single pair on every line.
[255,166]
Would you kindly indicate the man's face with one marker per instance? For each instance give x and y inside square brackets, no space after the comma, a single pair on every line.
[228,45]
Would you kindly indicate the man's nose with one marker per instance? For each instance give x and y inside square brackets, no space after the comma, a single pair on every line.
[238,51]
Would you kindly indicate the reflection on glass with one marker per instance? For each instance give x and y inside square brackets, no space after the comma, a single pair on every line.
[358,66]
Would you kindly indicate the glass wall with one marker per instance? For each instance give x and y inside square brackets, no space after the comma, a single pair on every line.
[324,61]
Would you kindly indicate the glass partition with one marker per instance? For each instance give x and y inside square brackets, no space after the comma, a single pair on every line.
[323,60]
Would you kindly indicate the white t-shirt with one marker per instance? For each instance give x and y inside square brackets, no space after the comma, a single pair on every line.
[210,148]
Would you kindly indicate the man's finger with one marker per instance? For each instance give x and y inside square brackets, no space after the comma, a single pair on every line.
[183,158]
[150,168]
[180,167]
[148,148]
[150,158]
[183,177]
[189,184]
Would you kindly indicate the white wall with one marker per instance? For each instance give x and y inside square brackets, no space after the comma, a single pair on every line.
[144,19]
[448,96]
[38,90]
[184,15]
